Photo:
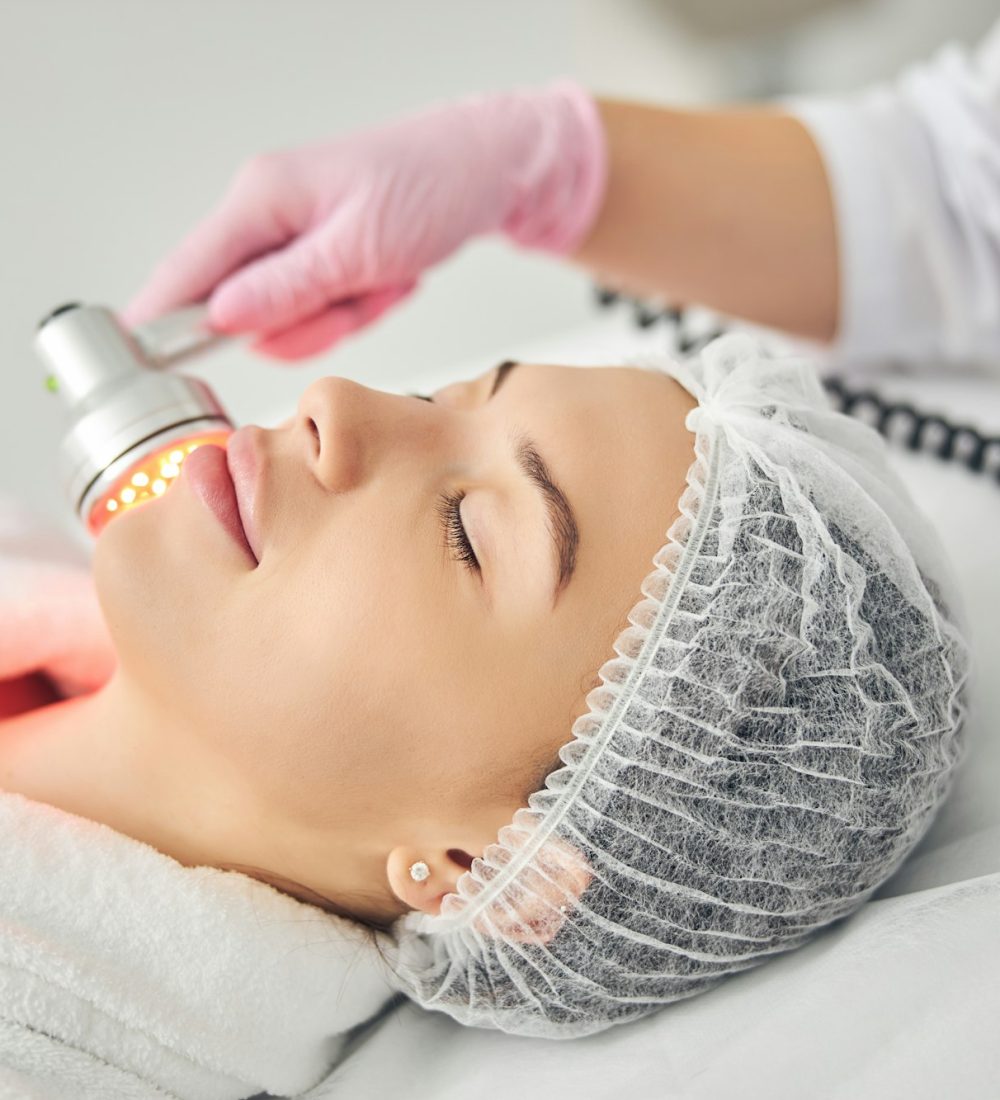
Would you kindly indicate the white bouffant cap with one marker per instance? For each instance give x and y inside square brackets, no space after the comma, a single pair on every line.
[776,730]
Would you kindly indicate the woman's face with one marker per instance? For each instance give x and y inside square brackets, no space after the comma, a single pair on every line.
[377,689]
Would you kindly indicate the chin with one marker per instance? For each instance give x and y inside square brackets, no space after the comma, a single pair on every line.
[131,572]
[165,585]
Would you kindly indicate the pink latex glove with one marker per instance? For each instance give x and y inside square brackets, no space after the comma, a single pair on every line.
[312,243]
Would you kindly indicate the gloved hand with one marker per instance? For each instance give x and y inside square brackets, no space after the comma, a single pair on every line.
[312,243]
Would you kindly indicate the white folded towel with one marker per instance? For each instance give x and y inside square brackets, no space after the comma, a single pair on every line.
[124,973]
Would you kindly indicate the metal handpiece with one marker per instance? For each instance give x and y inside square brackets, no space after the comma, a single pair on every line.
[177,336]
[126,410]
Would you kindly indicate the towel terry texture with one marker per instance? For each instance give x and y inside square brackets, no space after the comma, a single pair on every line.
[123,973]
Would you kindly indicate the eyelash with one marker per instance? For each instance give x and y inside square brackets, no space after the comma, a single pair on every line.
[454,529]
[451,521]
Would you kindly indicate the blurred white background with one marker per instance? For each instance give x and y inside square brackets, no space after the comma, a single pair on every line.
[124,121]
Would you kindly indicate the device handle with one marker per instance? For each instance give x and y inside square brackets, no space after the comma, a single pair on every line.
[178,335]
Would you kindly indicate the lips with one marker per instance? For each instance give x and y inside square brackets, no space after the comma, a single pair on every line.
[243,462]
[206,470]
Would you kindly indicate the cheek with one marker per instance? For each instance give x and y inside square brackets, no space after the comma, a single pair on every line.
[308,678]
[141,578]
[507,706]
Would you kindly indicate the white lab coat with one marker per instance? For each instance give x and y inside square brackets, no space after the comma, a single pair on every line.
[914,169]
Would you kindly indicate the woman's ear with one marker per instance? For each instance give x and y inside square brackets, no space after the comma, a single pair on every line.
[443,866]
[530,909]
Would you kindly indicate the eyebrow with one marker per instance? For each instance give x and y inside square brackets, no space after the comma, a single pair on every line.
[561,520]
[502,371]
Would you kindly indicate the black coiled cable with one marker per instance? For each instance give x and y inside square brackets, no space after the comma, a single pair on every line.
[899,421]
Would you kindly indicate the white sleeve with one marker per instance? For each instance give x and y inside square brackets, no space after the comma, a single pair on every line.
[914,169]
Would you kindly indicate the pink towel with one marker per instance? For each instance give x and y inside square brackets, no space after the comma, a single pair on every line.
[50,618]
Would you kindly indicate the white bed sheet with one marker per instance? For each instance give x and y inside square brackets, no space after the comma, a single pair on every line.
[902,1000]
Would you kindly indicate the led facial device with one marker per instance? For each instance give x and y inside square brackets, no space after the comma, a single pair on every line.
[132,423]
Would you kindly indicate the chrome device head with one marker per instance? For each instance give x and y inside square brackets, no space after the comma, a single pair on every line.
[131,422]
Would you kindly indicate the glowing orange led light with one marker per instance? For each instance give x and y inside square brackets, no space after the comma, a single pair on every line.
[148,478]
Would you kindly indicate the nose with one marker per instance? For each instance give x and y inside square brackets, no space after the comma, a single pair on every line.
[351,432]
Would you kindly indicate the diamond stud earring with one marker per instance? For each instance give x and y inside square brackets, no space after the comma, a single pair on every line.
[419,871]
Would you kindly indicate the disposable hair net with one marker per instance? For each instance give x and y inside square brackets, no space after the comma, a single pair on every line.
[774,734]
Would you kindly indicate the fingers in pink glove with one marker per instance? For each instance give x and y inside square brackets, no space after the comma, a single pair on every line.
[321,332]
[253,218]
[301,231]
[284,288]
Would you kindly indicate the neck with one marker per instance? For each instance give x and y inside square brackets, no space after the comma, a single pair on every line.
[115,758]
[89,756]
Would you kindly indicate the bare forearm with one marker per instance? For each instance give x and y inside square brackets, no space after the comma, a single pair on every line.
[727,208]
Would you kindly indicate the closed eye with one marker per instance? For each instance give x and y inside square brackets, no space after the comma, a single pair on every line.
[449,509]
[562,525]
[454,531]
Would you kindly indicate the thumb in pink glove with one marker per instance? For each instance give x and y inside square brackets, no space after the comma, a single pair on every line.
[312,243]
